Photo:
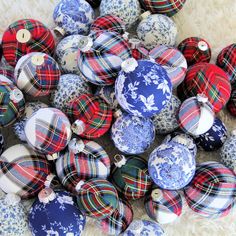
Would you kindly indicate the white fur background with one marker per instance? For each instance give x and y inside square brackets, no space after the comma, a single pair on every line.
[214,20]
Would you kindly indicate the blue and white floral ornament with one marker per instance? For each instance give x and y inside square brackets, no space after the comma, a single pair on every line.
[55,213]
[73,17]
[144,227]
[171,165]
[143,87]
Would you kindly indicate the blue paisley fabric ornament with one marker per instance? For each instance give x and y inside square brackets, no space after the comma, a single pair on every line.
[145,89]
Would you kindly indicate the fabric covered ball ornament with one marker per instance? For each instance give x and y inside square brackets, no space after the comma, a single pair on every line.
[163,206]
[195,50]
[8,72]
[23,171]
[166,121]
[143,87]
[73,17]
[214,138]
[119,220]
[156,30]
[37,74]
[212,190]
[55,213]
[48,131]
[97,198]
[132,134]
[25,36]
[69,88]
[100,56]
[227,61]
[19,126]
[1,144]
[130,176]
[94,3]
[13,217]
[171,165]
[228,151]
[144,227]
[83,160]
[90,115]
[128,10]
[231,105]
[195,115]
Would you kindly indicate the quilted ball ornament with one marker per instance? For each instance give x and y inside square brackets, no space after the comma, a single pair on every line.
[73,17]
[12,216]
[163,206]
[127,10]
[156,30]
[207,79]
[1,144]
[83,160]
[37,74]
[130,176]
[166,121]
[171,165]
[212,191]
[25,36]
[118,221]
[48,131]
[214,138]
[55,213]
[70,87]
[19,126]
[97,198]
[231,105]
[100,57]
[91,116]
[195,115]
[94,3]
[132,134]
[23,171]
[195,50]
[143,87]
[227,61]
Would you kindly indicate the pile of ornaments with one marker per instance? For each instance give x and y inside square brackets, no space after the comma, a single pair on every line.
[99,78]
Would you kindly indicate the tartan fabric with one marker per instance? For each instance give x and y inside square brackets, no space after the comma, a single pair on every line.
[41,80]
[170,202]
[190,50]
[97,198]
[140,53]
[119,221]
[108,23]
[1,143]
[94,3]
[10,111]
[231,105]
[92,162]
[212,191]
[227,61]
[27,171]
[41,40]
[101,64]
[7,72]
[94,112]
[207,79]
[167,7]
[132,179]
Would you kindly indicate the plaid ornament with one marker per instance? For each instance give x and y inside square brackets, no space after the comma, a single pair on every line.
[48,131]
[130,176]
[1,144]
[231,105]
[227,61]
[118,221]
[195,50]
[167,7]
[37,74]
[91,161]
[209,80]
[163,206]
[0,52]
[25,36]
[97,198]
[94,3]
[94,114]
[212,191]
[101,63]
[108,23]
[7,72]
[23,171]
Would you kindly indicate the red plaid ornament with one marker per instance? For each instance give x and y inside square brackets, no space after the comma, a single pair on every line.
[231,105]
[7,72]
[25,36]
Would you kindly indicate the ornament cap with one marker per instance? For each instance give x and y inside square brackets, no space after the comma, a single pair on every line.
[46,195]
[136,226]
[78,127]
[117,113]
[49,180]
[202,98]
[135,43]
[157,195]
[79,185]
[59,31]
[129,65]
[145,15]
[126,35]
[53,156]
[37,59]
[181,139]
[76,145]
[120,160]
[16,95]
[233,132]
[85,43]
